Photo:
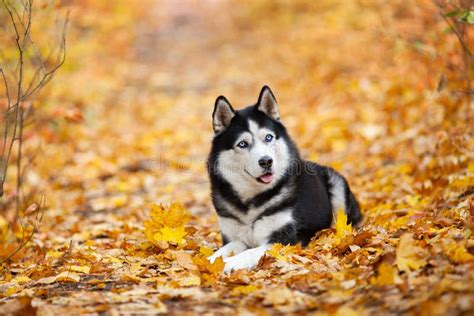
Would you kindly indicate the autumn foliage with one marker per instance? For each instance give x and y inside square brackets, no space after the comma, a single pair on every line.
[372,88]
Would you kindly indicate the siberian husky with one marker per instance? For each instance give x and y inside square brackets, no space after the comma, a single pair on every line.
[262,190]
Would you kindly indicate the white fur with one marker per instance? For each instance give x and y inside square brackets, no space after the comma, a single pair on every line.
[338,199]
[245,260]
[254,234]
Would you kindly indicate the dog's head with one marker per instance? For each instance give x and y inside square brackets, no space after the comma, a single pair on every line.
[251,148]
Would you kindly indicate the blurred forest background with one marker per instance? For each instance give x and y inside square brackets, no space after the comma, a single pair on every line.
[381,91]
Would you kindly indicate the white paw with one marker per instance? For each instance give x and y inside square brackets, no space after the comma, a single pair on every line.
[245,260]
[227,250]
[237,262]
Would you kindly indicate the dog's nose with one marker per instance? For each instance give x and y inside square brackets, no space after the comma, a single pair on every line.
[265,162]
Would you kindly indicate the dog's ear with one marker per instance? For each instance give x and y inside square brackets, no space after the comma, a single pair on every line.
[268,104]
[222,115]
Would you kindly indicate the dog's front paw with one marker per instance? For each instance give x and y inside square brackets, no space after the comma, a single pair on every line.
[239,262]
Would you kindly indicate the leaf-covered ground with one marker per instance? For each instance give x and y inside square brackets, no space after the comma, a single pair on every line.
[125,129]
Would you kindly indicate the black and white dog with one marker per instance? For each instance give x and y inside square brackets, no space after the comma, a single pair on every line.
[262,190]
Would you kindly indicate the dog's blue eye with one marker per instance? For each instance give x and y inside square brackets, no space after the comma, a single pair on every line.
[242,144]
[268,138]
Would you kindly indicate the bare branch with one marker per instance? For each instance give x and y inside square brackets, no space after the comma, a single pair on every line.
[21,20]
[48,75]
[7,90]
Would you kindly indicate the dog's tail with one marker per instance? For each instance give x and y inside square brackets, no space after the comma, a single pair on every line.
[341,196]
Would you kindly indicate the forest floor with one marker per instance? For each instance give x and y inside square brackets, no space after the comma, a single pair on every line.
[125,129]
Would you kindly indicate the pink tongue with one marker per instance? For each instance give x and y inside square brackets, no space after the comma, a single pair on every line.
[267,178]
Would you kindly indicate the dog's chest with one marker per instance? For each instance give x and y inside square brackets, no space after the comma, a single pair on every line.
[252,229]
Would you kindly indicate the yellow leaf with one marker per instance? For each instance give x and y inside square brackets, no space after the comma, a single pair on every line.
[281,252]
[208,271]
[205,266]
[217,266]
[170,235]
[173,216]
[470,167]
[206,251]
[82,269]
[190,280]
[409,256]
[130,278]
[459,254]
[347,311]
[11,290]
[67,276]
[119,201]
[405,168]
[21,279]
[343,229]
[243,289]
[416,201]
[54,254]
[386,275]
[166,225]
[135,268]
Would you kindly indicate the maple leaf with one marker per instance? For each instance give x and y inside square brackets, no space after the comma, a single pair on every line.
[172,216]
[166,225]
[171,235]
[281,252]
[209,272]
[409,255]
[206,251]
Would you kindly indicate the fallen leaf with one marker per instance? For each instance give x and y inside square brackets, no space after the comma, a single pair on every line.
[409,255]
[243,289]
[185,260]
[386,275]
[190,280]
[67,276]
[343,228]
[207,252]
[459,254]
[81,269]
[278,296]
[174,236]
